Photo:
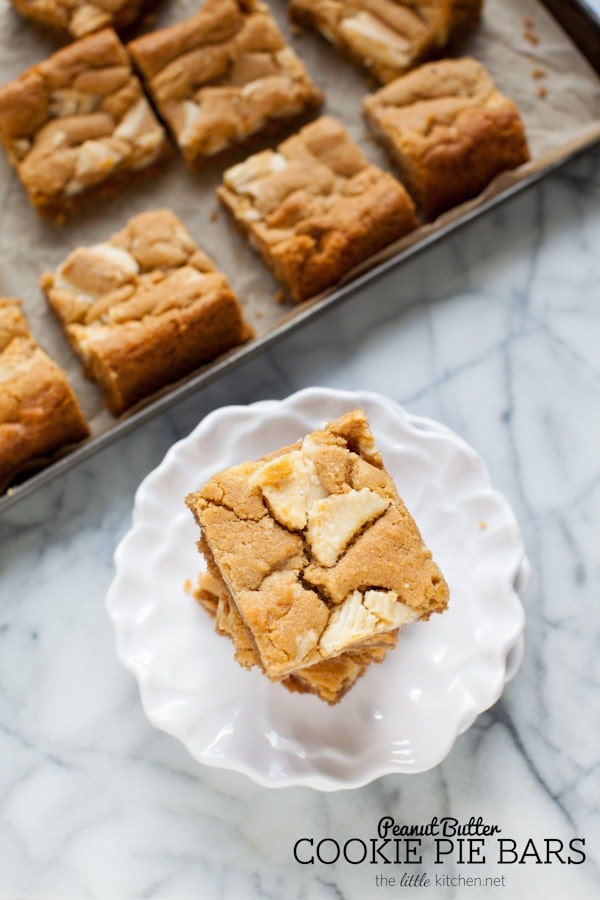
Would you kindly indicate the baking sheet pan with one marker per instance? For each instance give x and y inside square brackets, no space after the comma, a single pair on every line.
[537,57]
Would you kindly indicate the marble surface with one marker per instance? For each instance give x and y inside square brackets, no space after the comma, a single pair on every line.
[495,332]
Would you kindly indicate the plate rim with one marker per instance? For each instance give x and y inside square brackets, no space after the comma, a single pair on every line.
[301,399]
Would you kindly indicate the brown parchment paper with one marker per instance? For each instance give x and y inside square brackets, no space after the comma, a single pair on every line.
[528,54]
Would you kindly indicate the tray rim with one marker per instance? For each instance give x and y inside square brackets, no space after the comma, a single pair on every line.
[297,316]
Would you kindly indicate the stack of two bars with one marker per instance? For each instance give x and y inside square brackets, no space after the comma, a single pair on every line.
[313,560]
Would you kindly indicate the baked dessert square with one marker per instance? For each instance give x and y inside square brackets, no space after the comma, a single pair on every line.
[388,37]
[76,18]
[144,308]
[39,412]
[223,76]
[79,123]
[313,560]
[448,130]
[315,207]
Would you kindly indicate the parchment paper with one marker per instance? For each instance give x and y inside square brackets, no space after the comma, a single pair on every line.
[527,53]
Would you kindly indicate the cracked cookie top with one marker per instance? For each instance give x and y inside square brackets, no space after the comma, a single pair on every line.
[144,307]
[149,267]
[78,120]
[223,75]
[316,206]
[316,548]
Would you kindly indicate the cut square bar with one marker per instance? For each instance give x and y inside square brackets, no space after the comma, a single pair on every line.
[39,413]
[389,37]
[144,308]
[448,131]
[223,76]
[314,562]
[79,123]
[76,18]
[316,207]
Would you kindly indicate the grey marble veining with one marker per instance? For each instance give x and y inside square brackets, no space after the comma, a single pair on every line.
[495,332]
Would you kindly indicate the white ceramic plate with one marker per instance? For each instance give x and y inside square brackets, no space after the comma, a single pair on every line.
[403,715]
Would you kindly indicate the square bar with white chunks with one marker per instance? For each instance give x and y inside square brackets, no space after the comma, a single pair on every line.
[388,37]
[144,308]
[79,124]
[224,76]
[448,131]
[313,560]
[39,412]
[315,207]
[76,18]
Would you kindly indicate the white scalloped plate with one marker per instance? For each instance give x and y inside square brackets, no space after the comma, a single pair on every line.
[403,715]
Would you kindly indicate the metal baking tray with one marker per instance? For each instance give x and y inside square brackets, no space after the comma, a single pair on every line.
[532,50]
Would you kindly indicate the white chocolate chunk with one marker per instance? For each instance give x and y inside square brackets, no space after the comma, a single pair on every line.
[361,616]
[373,39]
[94,160]
[297,500]
[70,102]
[93,271]
[305,644]
[189,111]
[388,609]
[240,177]
[135,122]
[337,518]
[290,486]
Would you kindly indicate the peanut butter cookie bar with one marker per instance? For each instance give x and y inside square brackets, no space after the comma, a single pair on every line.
[388,37]
[76,18]
[79,123]
[39,413]
[448,131]
[144,308]
[314,562]
[315,207]
[223,76]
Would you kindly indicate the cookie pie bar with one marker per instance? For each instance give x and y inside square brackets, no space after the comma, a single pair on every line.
[39,413]
[388,37]
[223,76]
[448,131]
[144,308]
[315,207]
[76,18]
[313,560]
[78,123]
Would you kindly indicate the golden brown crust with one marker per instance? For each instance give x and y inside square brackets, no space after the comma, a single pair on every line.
[79,124]
[76,18]
[223,76]
[39,413]
[312,557]
[144,308]
[330,680]
[448,130]
[388,37]
[316,207]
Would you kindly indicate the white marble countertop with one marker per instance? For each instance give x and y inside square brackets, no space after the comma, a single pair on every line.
[495,332]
